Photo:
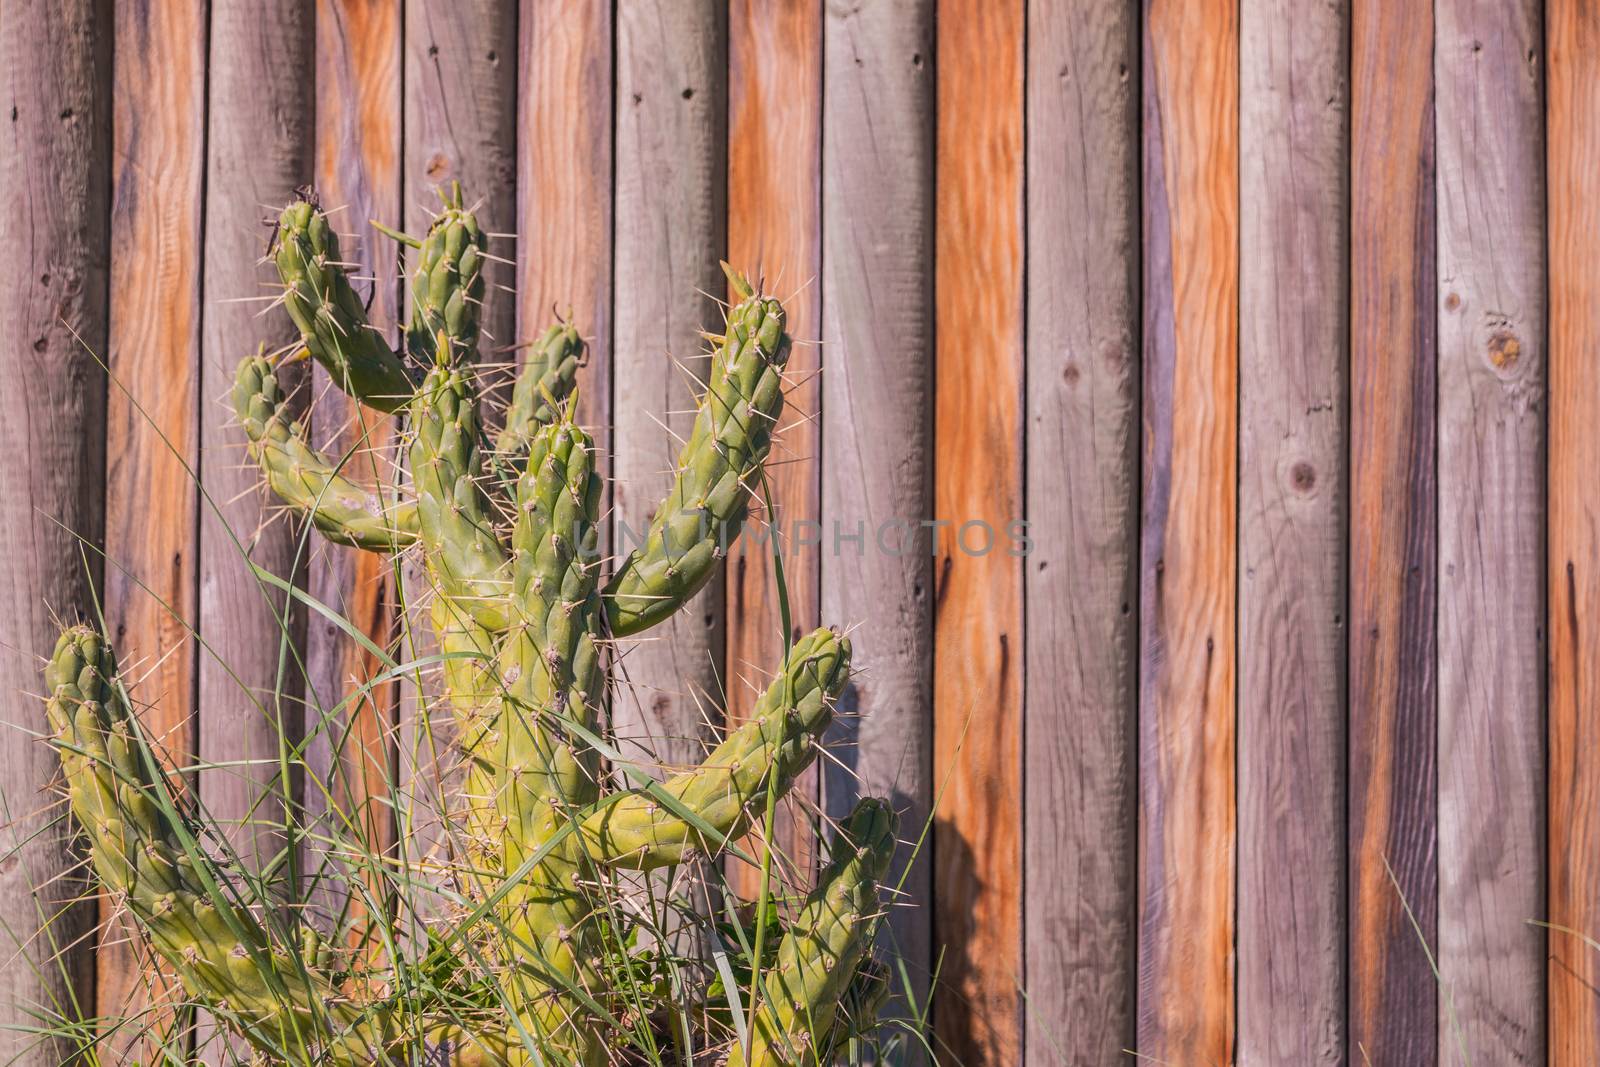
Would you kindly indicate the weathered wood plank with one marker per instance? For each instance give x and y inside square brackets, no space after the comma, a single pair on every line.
[1082,503]
[877,425]
[460,125]
[775,236]
[1490,301]
[978,624]
[1294,278]
[564,185]
[259,136]
[1572,49]
[358,178]
[55,164]
[671,227]
[152,501]
[1188,564]
[1393,582]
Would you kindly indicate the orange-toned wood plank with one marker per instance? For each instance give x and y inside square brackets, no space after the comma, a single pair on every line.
[358,178]
[1393,513]
[55,164]
[1293,345]
[564,185]
[877,430]
[1572,43]
[1188,547]
[153,405]
[1490,304]
[775,236]
[1083,512]
[978,625]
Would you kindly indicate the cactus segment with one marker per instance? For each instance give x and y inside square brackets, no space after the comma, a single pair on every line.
[447,287]
[730,787]
[333,323]
[717,470]
[463,553]
[521,619]
[145,852]
[550,371]
[820,955]
[307,480]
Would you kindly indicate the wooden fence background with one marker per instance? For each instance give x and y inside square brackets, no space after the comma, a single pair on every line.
[1277,320]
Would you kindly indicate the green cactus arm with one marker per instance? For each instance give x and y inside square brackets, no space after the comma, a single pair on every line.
[717,469]
[307,480]
[332,321]
[447,286]
[548,374]
[821,953]
[465,558]
[639,832]
[146,852]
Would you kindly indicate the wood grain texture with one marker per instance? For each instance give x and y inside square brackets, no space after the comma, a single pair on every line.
[1393,514]
[564,185]
[461,125]
[1188,565]
[877,427]
[1491,300]
[461,111]
[775,237]
[1293,297]
[1572,48]
[671,228]
[152,429]
[350,751]
[258,150]
[978,625]
[55,166]
[1082,504]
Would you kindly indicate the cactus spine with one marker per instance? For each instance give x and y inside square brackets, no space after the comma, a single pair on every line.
[521,617]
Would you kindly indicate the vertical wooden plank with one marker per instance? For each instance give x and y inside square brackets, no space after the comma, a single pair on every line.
[258,150]
[55,163]
[1082,502]
[152,501]
[1491,296]
[460,125]
[564,185]
[978,625]
[671,227]
[259,138]
[1294,277]
[1189,549]
[1572,43]
[1393,584]
[358,56]
[877,425]
[775,236]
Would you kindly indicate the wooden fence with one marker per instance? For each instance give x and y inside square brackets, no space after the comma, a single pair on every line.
[1277,321]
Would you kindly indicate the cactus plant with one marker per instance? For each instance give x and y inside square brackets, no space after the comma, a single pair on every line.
[508,539]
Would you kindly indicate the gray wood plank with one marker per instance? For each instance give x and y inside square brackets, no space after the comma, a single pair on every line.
[259,141]
[877,424]
[1082,507]
[460,125]
[55,165]
[670,232]
[1292,494]
[1488,70]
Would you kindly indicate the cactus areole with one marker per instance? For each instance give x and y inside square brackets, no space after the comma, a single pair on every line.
[508,536]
